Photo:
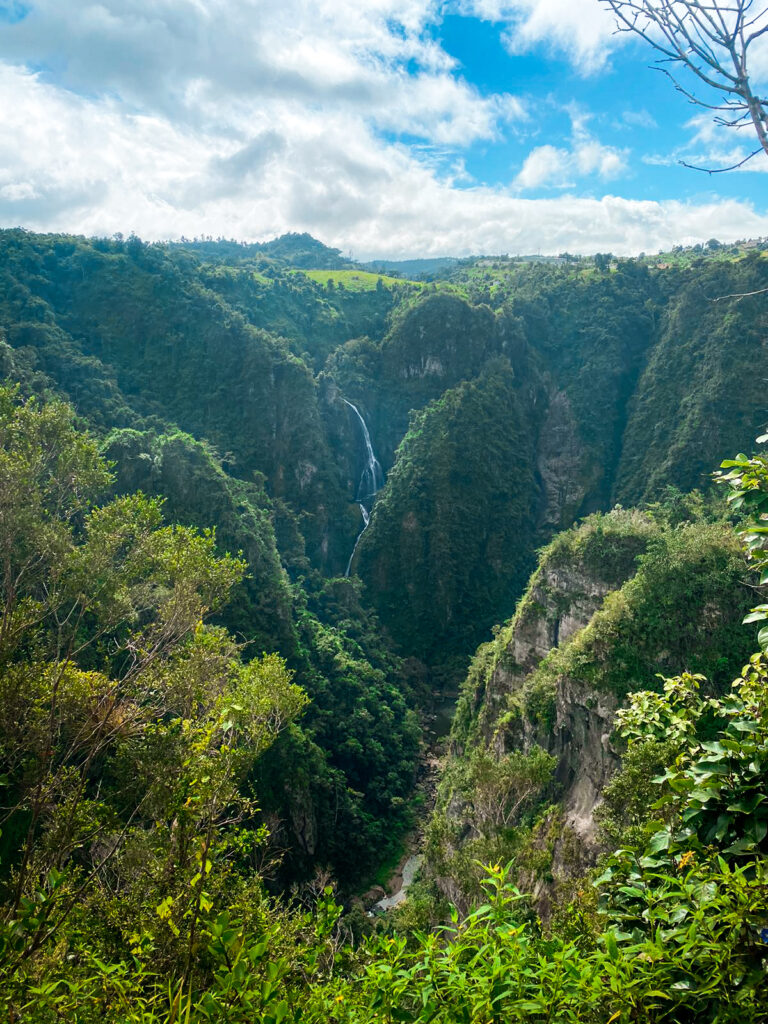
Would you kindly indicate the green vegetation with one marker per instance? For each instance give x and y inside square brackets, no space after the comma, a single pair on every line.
[684,606]
[678,932]
[209,738]
[602,551]
[453,517]
[671,369]
[248,347]
[355,280]
[639,594]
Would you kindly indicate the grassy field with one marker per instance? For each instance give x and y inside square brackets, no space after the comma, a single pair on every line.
[356,280]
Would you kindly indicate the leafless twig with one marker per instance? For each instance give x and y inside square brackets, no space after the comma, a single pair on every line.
[711,40]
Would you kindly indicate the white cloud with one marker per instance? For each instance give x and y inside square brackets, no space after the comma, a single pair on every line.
[713,147]
[584,30]
[220,63]
[556,167]
[639,119]
[247,118]
[86,166]
[545,165]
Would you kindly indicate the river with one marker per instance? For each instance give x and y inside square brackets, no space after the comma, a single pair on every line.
[436,728]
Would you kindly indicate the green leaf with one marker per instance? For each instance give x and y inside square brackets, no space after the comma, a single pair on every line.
[744,725]
[611,946]
[711,767]
[747,804]
[281,1011]
[659,841]
[714,747]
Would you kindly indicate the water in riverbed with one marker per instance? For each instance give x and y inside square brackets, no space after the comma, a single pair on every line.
[410,870]
[438,727]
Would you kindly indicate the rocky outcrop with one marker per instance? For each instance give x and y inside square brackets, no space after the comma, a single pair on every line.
[560,600]
[586,758]
[518,701]
[534,730]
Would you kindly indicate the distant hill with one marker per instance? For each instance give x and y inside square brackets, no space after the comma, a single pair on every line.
[299,250]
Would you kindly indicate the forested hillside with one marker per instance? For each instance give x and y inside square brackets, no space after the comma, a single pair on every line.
[503,402]
[91,322]
[203,712]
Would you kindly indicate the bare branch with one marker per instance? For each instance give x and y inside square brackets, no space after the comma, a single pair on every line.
[709,41]
[740,295]
[721,170]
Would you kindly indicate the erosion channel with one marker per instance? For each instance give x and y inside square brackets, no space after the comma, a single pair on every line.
[407,871]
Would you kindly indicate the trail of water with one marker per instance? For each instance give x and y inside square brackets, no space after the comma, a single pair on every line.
[409,871]
[371,480]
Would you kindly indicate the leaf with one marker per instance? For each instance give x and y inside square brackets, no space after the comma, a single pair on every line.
[711,767]
[281,1011]
[659,841]
[744,725]
[747,804]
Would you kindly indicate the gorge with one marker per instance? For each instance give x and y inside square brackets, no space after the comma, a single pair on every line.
[530,449]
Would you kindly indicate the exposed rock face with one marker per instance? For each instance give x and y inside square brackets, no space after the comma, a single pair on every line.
[560,601]
[581,741]
[561,463]
[521,704]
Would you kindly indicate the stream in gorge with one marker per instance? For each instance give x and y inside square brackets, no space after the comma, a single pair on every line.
[443,708]
[407,871]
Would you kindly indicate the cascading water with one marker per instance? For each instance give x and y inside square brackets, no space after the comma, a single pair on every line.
[369,485]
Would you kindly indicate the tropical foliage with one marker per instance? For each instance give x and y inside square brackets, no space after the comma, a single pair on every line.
[209,737]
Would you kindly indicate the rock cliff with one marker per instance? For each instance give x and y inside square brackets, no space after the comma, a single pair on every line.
[549,685]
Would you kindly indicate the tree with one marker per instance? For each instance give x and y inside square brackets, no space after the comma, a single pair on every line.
[127,726]
[503,788]
[711,40]
[747,479]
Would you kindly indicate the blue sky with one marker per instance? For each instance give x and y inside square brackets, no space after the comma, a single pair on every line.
[625,102]
[386,127]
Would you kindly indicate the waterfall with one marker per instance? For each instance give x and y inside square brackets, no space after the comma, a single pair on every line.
[371,480]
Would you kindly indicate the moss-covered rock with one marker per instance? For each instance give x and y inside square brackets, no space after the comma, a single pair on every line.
[613,603]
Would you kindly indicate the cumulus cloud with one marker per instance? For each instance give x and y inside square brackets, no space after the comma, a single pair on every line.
[556,167]
[544,165]
[221,63]
[88,167]
[247,118]
[581,29]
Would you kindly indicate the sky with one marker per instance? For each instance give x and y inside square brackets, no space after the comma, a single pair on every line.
[387,128]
